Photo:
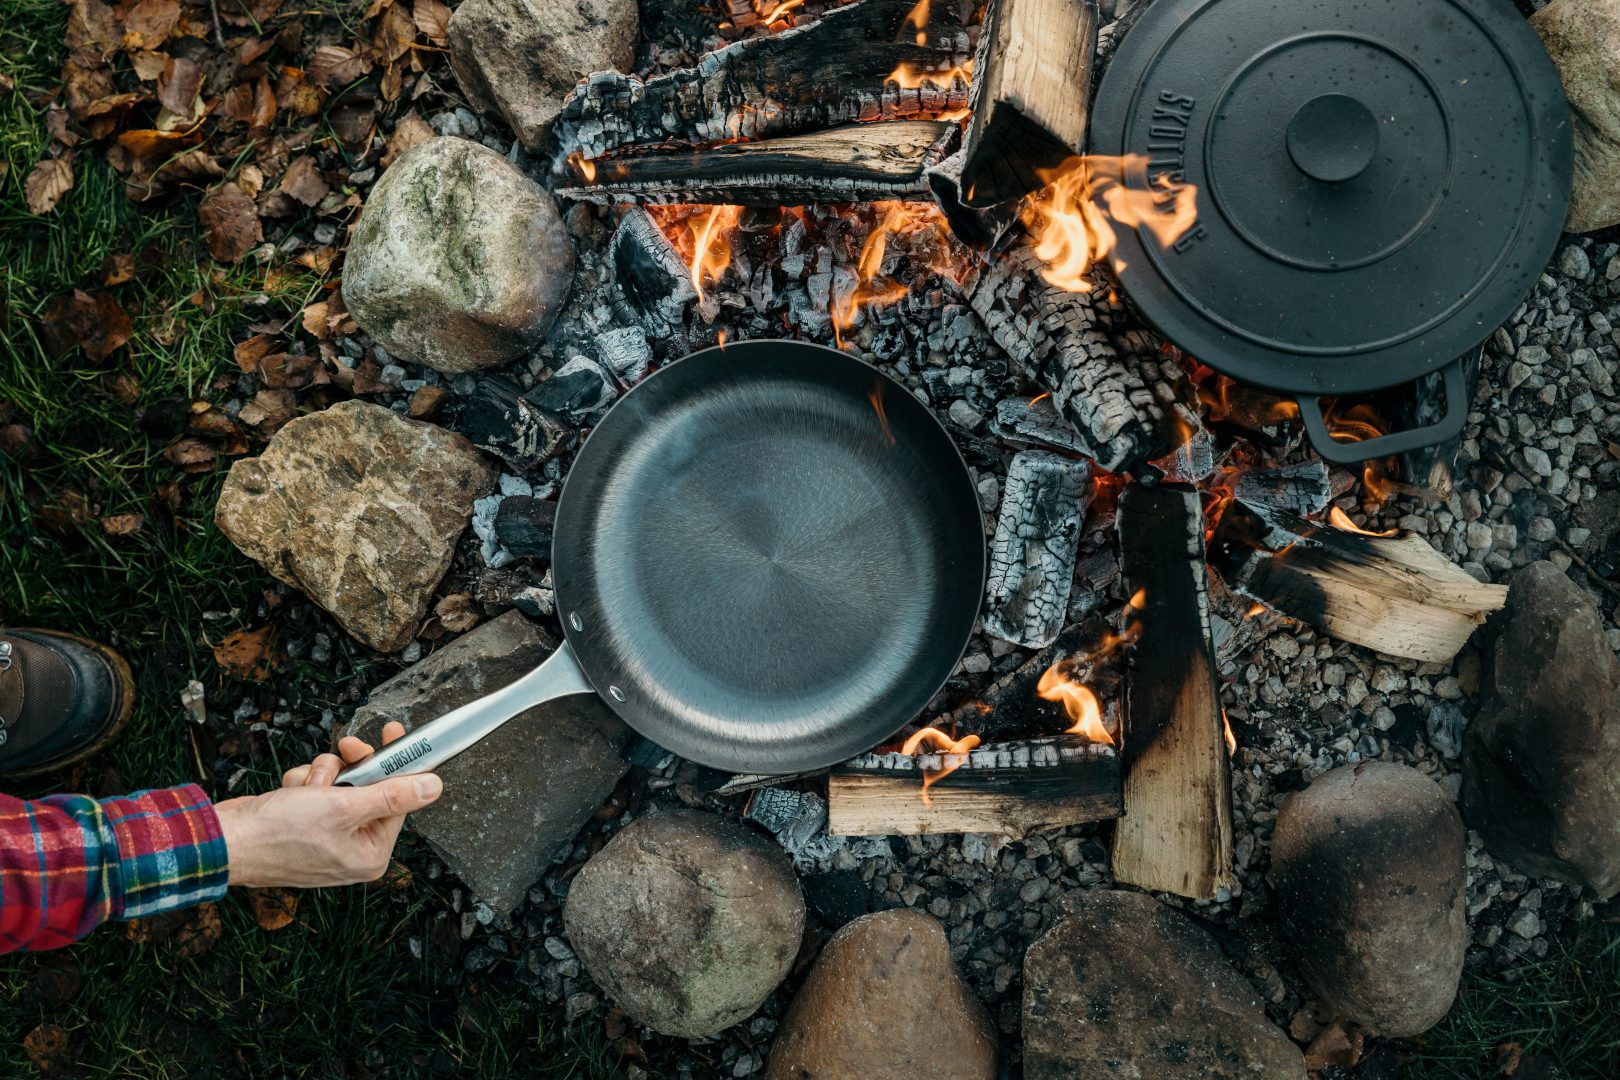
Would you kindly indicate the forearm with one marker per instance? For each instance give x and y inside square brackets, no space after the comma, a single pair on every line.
[70,862]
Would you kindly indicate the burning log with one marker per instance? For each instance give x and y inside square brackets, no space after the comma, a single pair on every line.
[862,62]
[853,163]
[1301,489]
[982,230]
[1037,423]
[1031,96]
[1392,593]
[1057,337]
[1176,835]
[1032,556]
[1009,789]
[654,284]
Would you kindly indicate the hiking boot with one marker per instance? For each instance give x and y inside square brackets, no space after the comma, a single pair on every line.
[62,698]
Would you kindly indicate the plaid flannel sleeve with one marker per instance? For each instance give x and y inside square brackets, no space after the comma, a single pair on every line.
[70,862]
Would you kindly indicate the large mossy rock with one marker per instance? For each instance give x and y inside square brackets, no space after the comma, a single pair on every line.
[1127,987]
[1369,863]
[687,920]
[459,261]
[1583,39]
[1541,762]
[885,1002]
[360,508]
[518,59]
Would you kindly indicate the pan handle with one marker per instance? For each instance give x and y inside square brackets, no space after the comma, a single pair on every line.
[441,739]
[1397,442]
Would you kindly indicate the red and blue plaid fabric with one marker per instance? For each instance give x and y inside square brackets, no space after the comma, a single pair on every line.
[70,862]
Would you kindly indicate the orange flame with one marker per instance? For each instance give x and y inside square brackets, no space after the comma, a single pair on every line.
[1231,739]
[910,77]
[919,19]
[779,10]
[875,396]
[1072,219]
[945,745]
[872,290]
[583,165]
[1341,521]
[1358,424]
[711,253]
[1078,701]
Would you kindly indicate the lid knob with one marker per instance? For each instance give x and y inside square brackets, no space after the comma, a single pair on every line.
[1332,138]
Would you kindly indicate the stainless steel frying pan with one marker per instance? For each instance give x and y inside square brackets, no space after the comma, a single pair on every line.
[768,558]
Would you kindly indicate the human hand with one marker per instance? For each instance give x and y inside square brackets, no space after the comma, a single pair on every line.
[311,833]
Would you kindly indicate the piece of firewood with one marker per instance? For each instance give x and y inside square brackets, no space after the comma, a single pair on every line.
[835,70]
[983,230]
[853,163]
[1036,423]
[1176,835]
[652,282]
[1394,593]
[1011,789]
[1032,556]
[1031,96]
[1059,340]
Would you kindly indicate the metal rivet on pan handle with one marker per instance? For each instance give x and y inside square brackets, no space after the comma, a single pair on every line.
[616,693]
[575,621]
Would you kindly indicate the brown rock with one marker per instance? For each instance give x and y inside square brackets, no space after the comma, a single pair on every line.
[1583,39]
[885,1002]
[1541,762]
[459,260]
[1127,987]
[523,792]
[518,59]
[687,920]
[360,508]
[1368,863]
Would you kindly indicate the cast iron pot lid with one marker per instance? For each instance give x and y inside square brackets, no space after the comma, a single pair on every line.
[1379,183]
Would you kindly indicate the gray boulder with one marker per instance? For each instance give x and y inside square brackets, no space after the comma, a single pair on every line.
[1583,39]
[1541,761]
[1368,864]
[360,508]
[885,1002]
[518,59]
[687,920]
[516,798]
[1127,987]
[459,260]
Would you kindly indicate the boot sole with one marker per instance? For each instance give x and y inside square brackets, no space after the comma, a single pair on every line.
[123,680]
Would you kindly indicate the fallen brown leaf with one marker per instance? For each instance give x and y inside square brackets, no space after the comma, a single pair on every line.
[392,34]
[411,131]
[1508,1057]
[47,183]
[230,223]
[303,181]
[201,933]
[93,30]
[47,1046]
[269,411]
[58,126]
[286,370]
[354,124]
[433,19]
[296,93]
[246,653]
[458,612]
[91,320]
[1337,1044]
[274,908]
[334,66]
[178,87]
[192,455]
[318,259]
[148,23]
[209,419]
[118,269]
[247,354]
[149,64]
[58,979]
[122,524]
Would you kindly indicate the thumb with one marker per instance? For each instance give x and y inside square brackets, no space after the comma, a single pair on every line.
[396,796]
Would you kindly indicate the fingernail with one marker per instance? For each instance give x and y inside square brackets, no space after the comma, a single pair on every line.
[428,786]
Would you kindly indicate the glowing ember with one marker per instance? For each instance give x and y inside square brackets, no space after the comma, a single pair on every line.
[1341,521]
[778,11]
[945,745]
[919,19]
[1072,219]
[711,254]
[872,289]
[1078,701]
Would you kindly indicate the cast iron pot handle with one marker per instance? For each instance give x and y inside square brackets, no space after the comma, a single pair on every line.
[1396,442]
[439,740]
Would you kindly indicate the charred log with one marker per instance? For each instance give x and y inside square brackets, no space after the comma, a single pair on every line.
[1435,467]
[1394,593]
[1011,704]
[1031,96]
[1176,835]
[1301,489]
[982,230]
[524,524]
[835,70]
[1058,338]
[653,283]
[497,418]
[1036,423]
[1032,556]
[1009,789]
[853,163]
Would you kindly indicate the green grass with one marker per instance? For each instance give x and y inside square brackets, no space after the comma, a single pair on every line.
[337,992]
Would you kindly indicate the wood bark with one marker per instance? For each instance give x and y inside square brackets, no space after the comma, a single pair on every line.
[1032,555]
[1060,341]
[1011,790]
[1176,835]
[853,163]
[835,70]
[1031,96]
[1395,594]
